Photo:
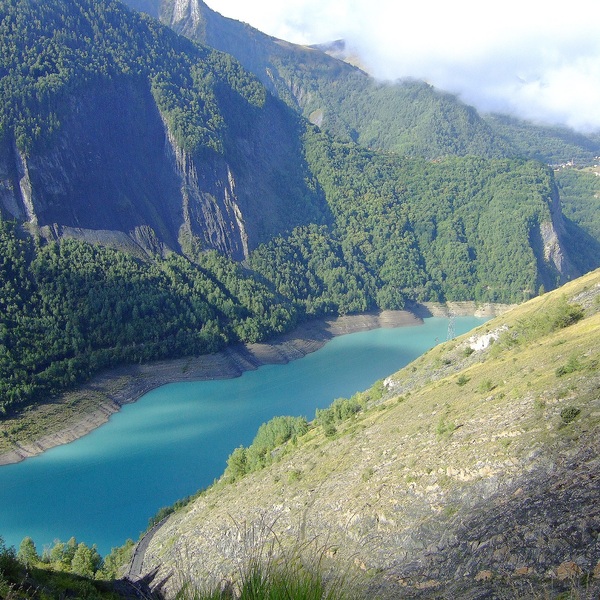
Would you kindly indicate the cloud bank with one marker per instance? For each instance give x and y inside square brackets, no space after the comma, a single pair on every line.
[526,58]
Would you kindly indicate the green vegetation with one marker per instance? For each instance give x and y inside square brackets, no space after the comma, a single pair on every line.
[454,229]
[70,309]
[422,440]
[66,570]
[580,198]
[64,47]
[552,316]
[548,144]
[569,413]
[408,117]
[381,230]
[301,572]
[259,454]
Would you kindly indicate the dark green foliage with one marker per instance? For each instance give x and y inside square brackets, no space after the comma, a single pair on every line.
[71,309]
[456,229]
[9,565]
[580,199]
[569,413]
[50,49]
[312,267]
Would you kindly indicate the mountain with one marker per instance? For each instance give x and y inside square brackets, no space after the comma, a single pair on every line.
[116,130]
[408,117]
[230,217]
[471,473]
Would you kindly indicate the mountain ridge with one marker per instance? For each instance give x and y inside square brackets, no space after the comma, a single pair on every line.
[349,103]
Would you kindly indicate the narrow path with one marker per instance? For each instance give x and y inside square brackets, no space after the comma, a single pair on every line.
[136,564]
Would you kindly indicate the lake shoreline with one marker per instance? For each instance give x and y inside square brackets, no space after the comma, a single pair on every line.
[90,406]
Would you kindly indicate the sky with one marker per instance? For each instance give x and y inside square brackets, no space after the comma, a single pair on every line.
[536,60]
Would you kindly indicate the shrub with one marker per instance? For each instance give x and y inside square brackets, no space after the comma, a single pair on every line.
[569,413]
[462,380]
[572,366]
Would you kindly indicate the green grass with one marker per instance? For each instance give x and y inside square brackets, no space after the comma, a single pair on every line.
[278,573]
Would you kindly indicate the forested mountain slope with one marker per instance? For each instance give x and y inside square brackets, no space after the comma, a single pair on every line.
[471,473]
[114,129]
[407,117]
[410,117]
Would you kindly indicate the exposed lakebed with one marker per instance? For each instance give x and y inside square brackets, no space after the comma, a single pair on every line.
[103,487]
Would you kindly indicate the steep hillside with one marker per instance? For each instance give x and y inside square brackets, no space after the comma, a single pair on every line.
[410,117]
[407,117]
[471,473]
[114,129]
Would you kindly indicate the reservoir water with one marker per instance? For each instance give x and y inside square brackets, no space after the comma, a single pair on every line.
[104,487]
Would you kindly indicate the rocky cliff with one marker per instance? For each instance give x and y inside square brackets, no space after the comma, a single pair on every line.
[475,476]
[113,160]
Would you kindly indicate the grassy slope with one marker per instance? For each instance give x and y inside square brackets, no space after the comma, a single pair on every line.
[394,490]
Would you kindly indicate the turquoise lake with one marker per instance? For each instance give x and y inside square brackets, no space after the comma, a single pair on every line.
[104,487]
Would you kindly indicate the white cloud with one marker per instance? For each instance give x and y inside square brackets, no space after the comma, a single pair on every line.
[538,61]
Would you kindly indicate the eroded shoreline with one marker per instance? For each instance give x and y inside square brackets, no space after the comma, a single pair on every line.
[80,412]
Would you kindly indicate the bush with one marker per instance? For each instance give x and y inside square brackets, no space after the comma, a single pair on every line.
[572,366]
[569,413]
[340,410]
[462,380]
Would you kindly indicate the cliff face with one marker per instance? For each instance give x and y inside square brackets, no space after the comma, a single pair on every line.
[114,173]
[476,474]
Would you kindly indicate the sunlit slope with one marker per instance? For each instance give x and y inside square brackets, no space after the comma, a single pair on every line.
[476,469]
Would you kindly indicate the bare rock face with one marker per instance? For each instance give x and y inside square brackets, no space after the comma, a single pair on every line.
[114,174]
[552,233]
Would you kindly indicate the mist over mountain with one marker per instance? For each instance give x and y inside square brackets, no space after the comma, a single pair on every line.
[539,65]
[407,116]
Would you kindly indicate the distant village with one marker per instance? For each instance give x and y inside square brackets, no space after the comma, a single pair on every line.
[595,168]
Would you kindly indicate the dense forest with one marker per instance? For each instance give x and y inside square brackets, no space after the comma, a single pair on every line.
[402,232]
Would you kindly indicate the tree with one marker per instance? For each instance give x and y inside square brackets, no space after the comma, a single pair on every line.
[237,464]
[27,554]
[86,561]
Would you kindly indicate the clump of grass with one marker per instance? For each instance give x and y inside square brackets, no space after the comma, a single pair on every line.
[445,428]
[306,571]
[367,474]
[462,380]
[486,386]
